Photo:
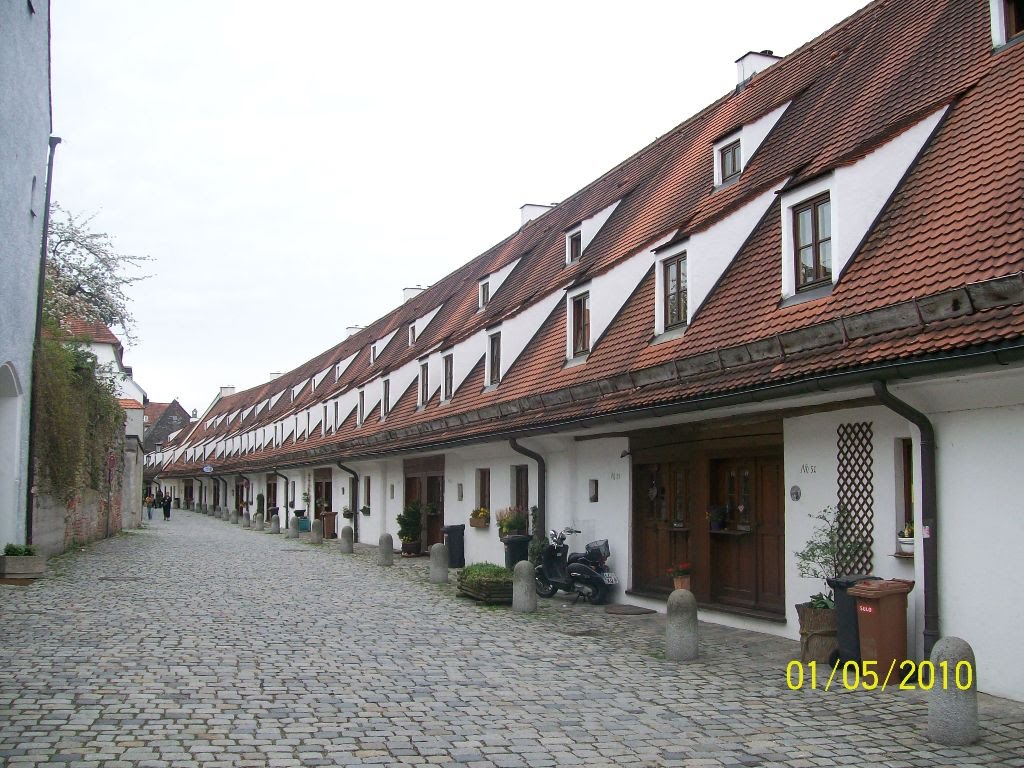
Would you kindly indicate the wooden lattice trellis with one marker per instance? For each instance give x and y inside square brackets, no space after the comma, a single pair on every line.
[856,494]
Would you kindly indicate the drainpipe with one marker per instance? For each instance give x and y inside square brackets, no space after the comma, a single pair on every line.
[286,520]
[929,510]
[542,484]
[355,499]
[30,494]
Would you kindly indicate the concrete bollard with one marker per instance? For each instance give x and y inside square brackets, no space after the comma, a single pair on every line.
[345,540]
[293,528]
[246,521]
[257,522]
[952,712]
[438,564]
[524,588]
[316,532]
[275,524]
[234,517]
[681,626]
[386,550]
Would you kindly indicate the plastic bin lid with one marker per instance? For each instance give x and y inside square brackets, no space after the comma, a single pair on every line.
[453,528]
[882,587]
[515,538]
[844,582]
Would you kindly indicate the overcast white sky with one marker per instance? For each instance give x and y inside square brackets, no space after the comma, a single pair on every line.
[290,167]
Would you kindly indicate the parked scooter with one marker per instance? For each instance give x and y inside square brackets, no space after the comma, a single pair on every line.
[581,573]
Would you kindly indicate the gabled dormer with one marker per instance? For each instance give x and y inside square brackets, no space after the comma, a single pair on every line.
[488,285]
[581,234]
[733,151]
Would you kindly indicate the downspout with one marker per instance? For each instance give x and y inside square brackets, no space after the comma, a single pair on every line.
[355,499]
[542,484]
[286,521]
[929,510]
[30,495]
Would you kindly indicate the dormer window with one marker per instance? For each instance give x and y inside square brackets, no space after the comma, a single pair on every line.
[412,335]
[373,354]
[579,324]
[385,398]
[485,294]
[424,384]
[573,246]
[1007,20]
[729,157]
[448,384]
[494,358]
[674,283]
[361,414]
[812,241]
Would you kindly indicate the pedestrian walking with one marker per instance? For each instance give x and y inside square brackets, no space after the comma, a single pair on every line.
[149,506]
[167,507]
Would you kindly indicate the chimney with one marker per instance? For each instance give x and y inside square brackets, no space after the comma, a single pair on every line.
[530,211]
[225,391]
[352,330]
[751,63]
[411,293]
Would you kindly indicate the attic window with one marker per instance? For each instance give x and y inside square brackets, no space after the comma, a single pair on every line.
[729,157]
[580,324]
[361,415]
[1013,17]
[494,358]
[675,291]
[373,353]
[424,383]
[573,246]
[485,294]
[412,335]
[385,398]
[448,386]
[812,241]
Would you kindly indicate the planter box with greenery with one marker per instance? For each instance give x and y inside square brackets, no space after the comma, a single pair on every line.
[22,562]
[486,582]
[410,528]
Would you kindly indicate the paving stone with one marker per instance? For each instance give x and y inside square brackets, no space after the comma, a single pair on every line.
[254,652]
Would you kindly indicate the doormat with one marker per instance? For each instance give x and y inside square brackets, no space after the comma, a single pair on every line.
[625,609]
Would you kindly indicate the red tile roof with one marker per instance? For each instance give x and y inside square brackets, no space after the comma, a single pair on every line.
[954,220]
[93,331]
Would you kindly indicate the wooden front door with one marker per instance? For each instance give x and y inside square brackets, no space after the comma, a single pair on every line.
[747,556]
[322,492]
[663,516]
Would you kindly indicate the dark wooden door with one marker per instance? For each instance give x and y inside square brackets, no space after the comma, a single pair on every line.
[663,505]
[747,556]
[434,509]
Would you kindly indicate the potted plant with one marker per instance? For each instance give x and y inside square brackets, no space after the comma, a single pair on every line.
[718,518]
[511,520]
[480,518]
[680,573]
[410,528]
[488,582]
[20,561]
[826,555]
[905,539]
[346,513]
[365,510]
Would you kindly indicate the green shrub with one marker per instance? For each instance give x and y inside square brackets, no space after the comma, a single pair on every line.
[485,573]
[410,522]
[19,550]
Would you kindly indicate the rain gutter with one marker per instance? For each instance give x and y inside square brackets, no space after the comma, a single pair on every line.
[542,485]
[355,499]
[286,481]
[929,510]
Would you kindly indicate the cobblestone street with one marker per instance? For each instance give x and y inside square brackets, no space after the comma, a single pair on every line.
[197,643]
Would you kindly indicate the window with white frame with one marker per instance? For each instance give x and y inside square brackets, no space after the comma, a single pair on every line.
[573,246]
[494,358]
[424,383]
[448,383]
[373,353]
[484,294]
[361,412]
[385,398]
[412,334]
[812,241]
[579,324]
[728,153]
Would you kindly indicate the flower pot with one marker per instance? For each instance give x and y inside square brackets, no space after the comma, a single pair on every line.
[819,629]
[681,582]
[410,547]
[905,544]
[479,522]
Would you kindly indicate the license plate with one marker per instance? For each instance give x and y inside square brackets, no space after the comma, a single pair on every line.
[609,578]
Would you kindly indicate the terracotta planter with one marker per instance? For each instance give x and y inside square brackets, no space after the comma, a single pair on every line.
[681,582]
[479,522]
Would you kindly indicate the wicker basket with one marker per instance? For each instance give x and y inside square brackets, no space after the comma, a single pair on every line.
[818,627]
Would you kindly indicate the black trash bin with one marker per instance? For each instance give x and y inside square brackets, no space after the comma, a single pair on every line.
[456,542]
[847,633]
[517,547]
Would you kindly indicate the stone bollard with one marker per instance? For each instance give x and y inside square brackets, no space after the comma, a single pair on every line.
[246,521]
[345,540]
[524,588]
[386,550]
[293,528]
[234,517]
[275,524]
[952,712]
[316,532]
[438,564]
[681,627]
[257,523]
